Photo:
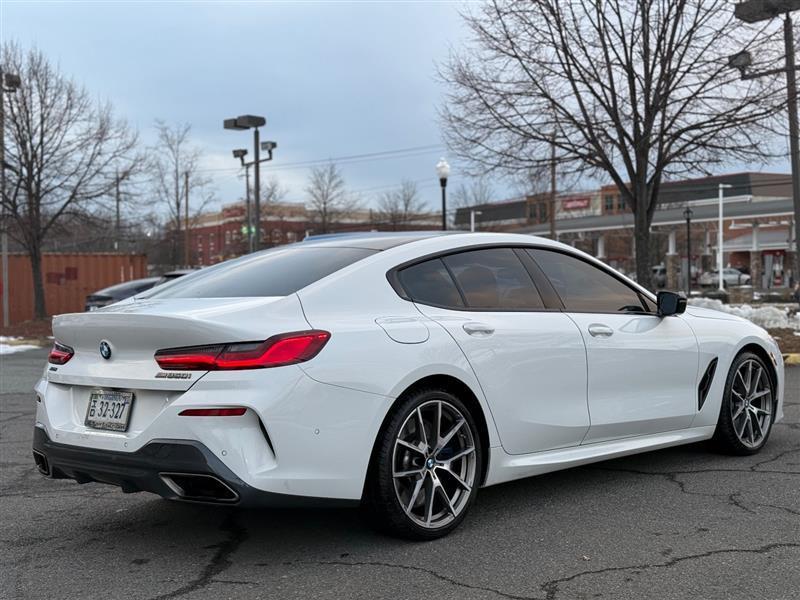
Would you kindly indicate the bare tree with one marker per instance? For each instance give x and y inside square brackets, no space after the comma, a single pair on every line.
[328,198]
[62,149]
[634,90]
[272,191]
[478,191]
[399,206]
[174,164]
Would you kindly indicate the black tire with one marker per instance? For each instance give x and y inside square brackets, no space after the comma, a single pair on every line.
[381,504]
[726,436]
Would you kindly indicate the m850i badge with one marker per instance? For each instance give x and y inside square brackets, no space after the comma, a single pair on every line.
[167,375]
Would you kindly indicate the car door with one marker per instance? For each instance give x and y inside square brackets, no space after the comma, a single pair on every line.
[529,360]
[642,368]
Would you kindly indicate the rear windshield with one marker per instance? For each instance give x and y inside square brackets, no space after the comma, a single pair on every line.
[278,272]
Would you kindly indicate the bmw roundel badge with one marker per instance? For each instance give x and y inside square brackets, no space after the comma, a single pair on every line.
[105,349]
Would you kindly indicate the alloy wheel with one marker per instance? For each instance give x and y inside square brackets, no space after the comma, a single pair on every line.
[434,464]
[751,403]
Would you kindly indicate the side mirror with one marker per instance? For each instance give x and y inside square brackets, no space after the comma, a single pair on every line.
[670,303]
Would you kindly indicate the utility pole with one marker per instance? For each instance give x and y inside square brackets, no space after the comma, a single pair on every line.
[794,143]
[116,200]
[755,11]
[11,82]
[552,210]
[4,224]
[186,218]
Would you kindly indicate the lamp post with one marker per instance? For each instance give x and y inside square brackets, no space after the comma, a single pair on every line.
[754,11]
[687,214]
[241,123]
[721,236]
[443,171]
[8,83]
[240,153]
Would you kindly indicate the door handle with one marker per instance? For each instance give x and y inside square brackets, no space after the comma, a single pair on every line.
[600,330]
[478,329]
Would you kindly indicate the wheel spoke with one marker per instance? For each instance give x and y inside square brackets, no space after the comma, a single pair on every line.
[740,433]
[415,493]
[446,439]
[754,382]
[459,481]
[458,455]
[411,447]
[429,502]
[760,394]
[446,498]
[739,411]
[754,419]
[438,431]
[421,425]
[758,409]
[407,473]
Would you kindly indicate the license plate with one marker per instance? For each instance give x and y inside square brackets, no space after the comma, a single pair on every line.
[110,410]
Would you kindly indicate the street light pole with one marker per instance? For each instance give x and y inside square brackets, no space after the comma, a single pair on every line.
[244,122]
[257,187]
[443,171]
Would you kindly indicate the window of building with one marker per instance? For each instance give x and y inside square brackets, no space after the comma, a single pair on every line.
[609,203]
[584,287]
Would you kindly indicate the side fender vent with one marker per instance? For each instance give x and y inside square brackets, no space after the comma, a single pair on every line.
[705,384]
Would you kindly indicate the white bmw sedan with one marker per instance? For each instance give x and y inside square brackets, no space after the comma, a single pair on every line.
[401,372]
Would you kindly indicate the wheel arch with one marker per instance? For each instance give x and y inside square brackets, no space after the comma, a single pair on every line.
[764,355]
[457,387]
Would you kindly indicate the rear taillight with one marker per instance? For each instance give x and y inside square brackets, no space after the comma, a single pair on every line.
[60,354]
[277,351]
[236,411]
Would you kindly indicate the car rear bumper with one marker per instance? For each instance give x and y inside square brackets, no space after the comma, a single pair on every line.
[176,469]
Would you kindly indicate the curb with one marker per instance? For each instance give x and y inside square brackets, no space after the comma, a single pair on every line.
[791,359]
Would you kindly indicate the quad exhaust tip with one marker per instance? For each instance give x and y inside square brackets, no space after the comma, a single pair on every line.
[41,463]
[199,487]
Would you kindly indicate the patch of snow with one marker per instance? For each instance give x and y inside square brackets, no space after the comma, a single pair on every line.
[11,349]
[768,317]
[8,338]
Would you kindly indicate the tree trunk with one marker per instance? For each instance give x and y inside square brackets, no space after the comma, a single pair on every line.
[39,307]
[641,234]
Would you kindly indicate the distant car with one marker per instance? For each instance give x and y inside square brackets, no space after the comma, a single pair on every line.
[730,276]
[170,275]
[118,292]
[659,276]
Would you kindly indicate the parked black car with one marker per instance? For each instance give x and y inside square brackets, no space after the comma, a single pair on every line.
[118,292]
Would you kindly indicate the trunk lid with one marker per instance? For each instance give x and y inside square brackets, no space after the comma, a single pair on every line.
[135,330]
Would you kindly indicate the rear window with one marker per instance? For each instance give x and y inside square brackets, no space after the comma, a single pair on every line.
[278,272]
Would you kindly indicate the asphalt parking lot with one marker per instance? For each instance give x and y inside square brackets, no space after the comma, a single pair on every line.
[677,523]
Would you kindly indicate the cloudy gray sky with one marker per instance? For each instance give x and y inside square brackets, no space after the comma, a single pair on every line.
[333,78]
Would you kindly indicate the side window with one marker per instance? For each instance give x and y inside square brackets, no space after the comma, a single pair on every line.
[494,278]
[583,287]
[430,283]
